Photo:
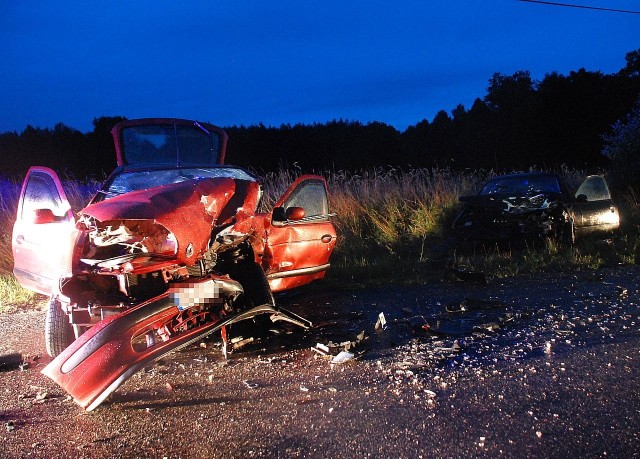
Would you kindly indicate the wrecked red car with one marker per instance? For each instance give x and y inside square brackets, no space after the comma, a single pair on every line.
[170,249]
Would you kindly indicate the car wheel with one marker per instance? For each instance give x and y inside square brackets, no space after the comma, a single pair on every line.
[58,332]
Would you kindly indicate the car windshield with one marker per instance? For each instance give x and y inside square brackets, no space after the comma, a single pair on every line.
[522,185]
[170,144]
[141,180]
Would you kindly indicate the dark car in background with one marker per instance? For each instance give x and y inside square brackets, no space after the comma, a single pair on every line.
[536,205]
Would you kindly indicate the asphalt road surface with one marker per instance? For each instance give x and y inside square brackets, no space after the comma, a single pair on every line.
[532,366]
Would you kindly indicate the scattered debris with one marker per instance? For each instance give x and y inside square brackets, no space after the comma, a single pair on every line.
[341,352]
[11,426]
[381,324]
[250,385]
[321,349]
[473,304]
[342,357]
[241,342]
[454,348]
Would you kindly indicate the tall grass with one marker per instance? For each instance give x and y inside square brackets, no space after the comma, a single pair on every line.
[387,211]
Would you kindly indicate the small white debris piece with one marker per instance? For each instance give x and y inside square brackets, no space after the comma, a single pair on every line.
[342,357]
[381,324]
[304,388]
[321,349]
[250,385]
[242,342]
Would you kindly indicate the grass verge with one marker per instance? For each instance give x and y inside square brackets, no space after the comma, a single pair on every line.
[13,296]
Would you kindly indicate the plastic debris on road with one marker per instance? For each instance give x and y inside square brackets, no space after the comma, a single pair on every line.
[342,357]
[381,324]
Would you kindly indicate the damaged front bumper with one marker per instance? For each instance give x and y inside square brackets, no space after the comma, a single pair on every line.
[109,353]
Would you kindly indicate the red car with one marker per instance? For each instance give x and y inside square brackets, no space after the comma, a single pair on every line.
[170,249]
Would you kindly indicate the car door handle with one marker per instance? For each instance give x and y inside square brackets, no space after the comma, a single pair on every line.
[326,238]
[20,239]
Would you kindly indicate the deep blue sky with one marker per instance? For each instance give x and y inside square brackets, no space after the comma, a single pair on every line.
[246,62]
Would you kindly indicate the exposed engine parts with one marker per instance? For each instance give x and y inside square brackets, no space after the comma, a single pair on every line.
[114,238]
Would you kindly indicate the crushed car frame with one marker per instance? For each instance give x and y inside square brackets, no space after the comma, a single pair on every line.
[170,249]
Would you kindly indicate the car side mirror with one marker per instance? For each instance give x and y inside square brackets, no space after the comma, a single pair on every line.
[42,216]
[581,198]
[295,213]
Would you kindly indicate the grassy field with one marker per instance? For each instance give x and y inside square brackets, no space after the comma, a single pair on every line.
[388,220]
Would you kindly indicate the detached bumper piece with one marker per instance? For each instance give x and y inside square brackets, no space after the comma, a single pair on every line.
[109,353]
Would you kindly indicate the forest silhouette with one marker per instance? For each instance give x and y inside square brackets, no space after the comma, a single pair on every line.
[518,124]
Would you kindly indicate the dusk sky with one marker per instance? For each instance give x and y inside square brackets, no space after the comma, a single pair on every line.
[247,62]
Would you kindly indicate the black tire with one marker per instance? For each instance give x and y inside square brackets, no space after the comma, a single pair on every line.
[58,332]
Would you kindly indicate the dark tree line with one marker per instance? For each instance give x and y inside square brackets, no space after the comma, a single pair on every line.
[519,123]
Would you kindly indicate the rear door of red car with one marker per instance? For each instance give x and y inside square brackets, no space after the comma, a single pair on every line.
[300,238]
[43,234]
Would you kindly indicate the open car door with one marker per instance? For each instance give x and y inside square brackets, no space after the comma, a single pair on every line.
[300,238]
[43,234]
[593,209]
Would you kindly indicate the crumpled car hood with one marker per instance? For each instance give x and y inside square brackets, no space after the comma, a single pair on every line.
[512,204]
[188,209]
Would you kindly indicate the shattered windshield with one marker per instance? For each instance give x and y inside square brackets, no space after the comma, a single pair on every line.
[522,185]
[141,180]
[170,144]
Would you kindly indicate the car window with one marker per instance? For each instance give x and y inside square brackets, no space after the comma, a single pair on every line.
[171,144]
[142,180]
[522,185]
[311,195]
[41,193]
[594,188]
